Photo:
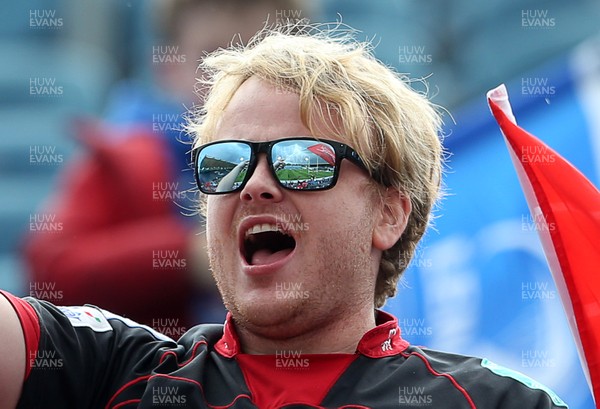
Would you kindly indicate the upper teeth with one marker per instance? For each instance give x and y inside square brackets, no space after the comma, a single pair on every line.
[260,228]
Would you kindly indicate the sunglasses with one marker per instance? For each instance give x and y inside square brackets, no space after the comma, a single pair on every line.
[299,163]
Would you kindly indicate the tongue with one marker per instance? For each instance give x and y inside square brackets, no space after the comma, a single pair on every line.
[264,256]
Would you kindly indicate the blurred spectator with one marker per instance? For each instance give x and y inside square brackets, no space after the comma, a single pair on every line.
[124,243]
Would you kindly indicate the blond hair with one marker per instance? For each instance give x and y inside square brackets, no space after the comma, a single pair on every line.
[394,129]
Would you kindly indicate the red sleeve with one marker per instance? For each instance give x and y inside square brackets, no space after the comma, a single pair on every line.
[107,227]
[30,324]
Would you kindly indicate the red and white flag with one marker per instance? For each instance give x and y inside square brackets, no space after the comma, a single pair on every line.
[562,200]
[324,152]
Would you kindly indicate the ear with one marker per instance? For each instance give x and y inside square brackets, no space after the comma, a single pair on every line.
[392,219]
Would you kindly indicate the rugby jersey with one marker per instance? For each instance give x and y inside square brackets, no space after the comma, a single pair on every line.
[85,357]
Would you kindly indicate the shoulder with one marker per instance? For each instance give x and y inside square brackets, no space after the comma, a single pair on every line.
[99,351]
[483,382]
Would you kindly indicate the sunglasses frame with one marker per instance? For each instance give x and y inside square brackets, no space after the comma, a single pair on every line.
[342,151]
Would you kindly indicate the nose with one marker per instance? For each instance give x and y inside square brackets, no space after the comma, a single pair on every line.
[262,187]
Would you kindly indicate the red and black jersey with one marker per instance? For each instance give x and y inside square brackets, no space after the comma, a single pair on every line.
[85,357]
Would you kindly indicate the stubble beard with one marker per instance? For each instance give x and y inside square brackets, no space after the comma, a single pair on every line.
[337,278]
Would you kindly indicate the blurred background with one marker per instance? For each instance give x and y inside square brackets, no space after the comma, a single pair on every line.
[86,86]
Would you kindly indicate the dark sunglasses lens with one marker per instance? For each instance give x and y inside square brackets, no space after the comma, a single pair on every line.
[222,167]
[304,164]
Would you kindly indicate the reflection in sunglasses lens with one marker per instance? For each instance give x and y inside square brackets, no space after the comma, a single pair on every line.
[222,167]
[303,164]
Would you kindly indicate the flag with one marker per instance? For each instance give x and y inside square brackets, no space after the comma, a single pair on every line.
[323,151]
[566,209]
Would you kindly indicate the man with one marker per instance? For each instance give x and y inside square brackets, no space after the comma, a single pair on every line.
[301,272]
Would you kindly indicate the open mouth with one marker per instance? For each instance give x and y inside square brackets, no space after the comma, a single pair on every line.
[266,244]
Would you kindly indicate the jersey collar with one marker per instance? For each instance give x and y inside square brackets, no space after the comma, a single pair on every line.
[383,340]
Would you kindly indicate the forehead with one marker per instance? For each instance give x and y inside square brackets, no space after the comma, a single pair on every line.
[262,111]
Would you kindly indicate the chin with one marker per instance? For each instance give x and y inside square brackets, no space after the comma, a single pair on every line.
[274,318]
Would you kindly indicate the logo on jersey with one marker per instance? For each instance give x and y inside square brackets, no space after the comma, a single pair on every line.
[86,317]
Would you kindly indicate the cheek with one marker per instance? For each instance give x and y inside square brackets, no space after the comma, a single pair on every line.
[216,207]
[348,216]
[217,217]
[350,204]
[210,219]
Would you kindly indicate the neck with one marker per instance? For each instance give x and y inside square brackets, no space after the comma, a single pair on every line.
[336,333]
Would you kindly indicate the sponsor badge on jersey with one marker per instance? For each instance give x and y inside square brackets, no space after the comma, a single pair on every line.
[86,317]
